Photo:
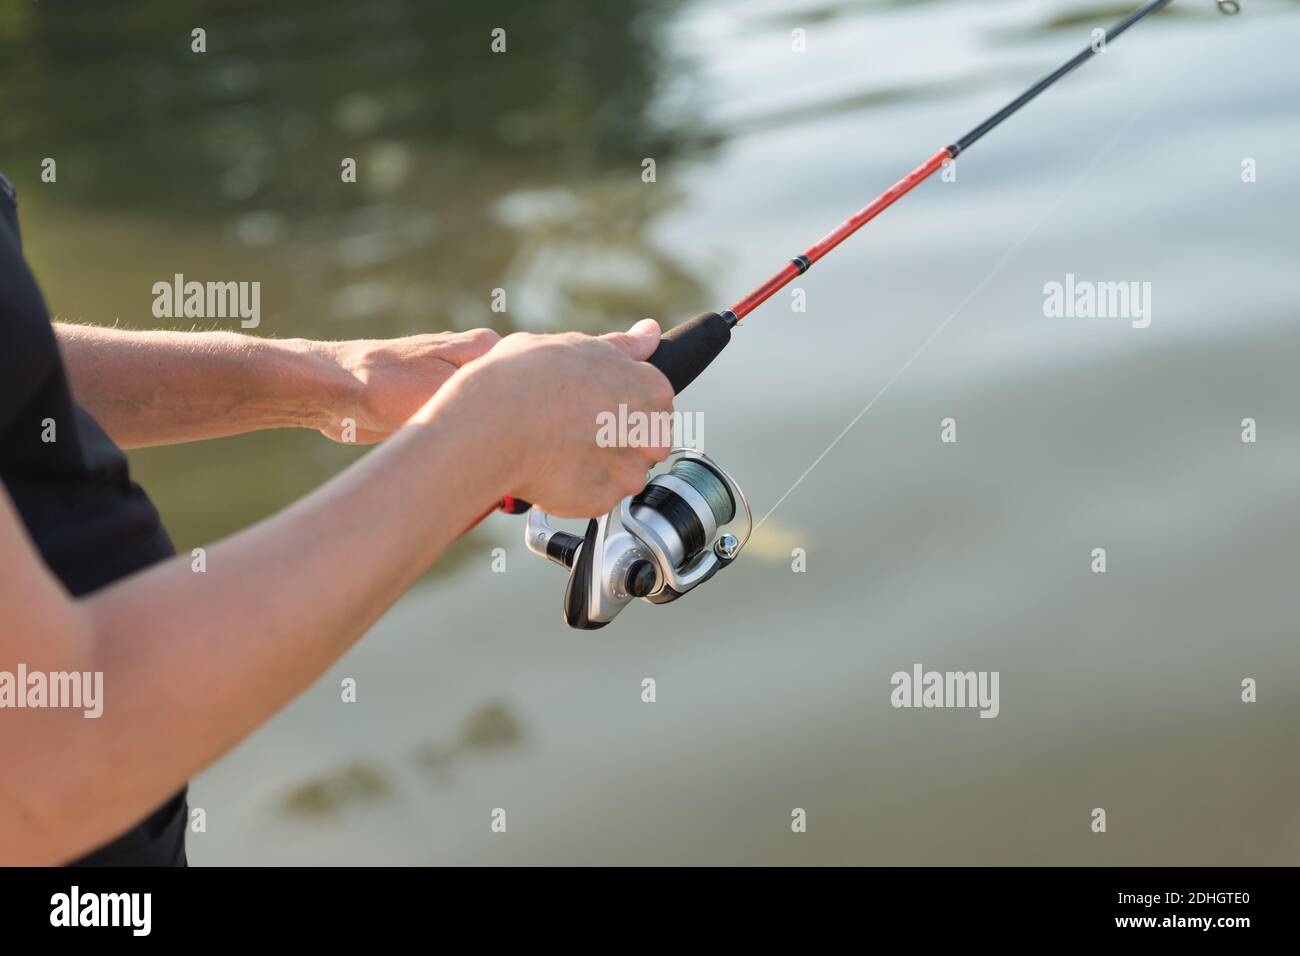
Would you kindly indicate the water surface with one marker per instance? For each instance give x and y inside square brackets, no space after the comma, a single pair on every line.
[523,171]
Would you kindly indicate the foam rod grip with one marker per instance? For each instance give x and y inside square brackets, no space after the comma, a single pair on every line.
[687,349]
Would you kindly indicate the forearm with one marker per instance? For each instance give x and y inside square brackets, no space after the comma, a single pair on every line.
[193,662]
[154,388]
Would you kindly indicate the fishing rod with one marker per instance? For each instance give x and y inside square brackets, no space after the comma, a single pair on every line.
[673,535]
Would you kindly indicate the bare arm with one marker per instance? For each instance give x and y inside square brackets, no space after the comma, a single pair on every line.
[157,388]
[193,662]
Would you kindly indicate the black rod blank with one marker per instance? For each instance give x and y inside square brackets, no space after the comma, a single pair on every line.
[1083,56]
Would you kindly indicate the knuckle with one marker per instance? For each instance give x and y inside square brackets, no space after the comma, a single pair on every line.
[660,390]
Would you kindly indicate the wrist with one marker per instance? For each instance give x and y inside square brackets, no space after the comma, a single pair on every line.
[475,417]
[329,391]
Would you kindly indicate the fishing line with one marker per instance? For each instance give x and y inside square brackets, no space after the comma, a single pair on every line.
[997,267]
[804,261]
[672,536]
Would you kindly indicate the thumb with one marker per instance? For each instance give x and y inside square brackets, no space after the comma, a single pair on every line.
[464,347]
[638,342]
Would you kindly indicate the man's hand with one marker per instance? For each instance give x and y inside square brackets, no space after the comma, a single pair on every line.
[395,377]
[160,388]
[536,400]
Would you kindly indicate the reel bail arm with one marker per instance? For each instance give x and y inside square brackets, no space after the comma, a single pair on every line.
[657,545]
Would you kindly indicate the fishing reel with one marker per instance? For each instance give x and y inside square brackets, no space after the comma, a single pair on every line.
[657,545]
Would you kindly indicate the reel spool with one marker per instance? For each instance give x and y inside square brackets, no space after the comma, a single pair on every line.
[656,545]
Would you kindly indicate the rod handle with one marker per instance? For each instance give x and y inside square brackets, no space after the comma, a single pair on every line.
[686,350]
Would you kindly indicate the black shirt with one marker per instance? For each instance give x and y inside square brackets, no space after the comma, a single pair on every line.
[89,521]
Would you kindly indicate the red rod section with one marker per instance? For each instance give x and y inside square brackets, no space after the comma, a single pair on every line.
[800,264]
[511,506]
[848,227]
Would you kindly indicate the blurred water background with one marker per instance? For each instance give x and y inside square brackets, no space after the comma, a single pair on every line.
[522,171]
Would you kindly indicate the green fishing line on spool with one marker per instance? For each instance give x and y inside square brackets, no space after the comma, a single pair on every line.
[706,481]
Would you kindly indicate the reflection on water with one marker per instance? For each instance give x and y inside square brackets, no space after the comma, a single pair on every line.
[522,171]
[476,171]
[326,795]
[489,728]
